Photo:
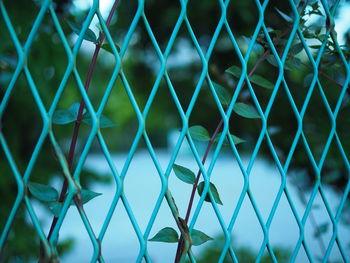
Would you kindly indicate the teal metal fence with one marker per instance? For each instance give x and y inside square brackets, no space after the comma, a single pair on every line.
[72,169]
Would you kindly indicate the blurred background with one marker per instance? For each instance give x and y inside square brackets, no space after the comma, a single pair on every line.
[21,126]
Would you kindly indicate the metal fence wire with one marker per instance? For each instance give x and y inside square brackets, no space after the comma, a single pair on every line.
[245,82]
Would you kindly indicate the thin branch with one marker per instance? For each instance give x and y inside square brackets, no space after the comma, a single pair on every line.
[80,114]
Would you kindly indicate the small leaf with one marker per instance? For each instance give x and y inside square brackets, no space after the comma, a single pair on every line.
[223,94]
[272,60]
[284,16]
[104,121]
[55,208]
[43,192]
[89,34]
[108,48]
[294,62]
[296,49]
[235,71]
[213,190]
[322,37]
[261,81]
[199,133]
[167,234]
[184,174]
[236,140]
[86,196]
[66,116]
[321,229]
[246,110]
[198,237]
[308,79]
[256,47]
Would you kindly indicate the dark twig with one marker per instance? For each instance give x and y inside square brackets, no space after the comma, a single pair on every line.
[80,114]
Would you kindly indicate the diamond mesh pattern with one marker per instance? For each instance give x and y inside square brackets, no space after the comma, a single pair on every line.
[73,175]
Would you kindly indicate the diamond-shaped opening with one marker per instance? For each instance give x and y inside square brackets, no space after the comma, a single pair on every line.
[97,177]
[160,251]
[122,20]
[14,122]
[335,255]
[343,125]
[318,228]
[301,177]
[223,56]
[184,66]
[163,122]
[282,126]
[23,241]
[47,73]
[334,176]
[74,229]
[203,19]
[8,190]
[229,181]
[141,65]
[180,190]
[248,128]
[22,19]
[316,125]
[264,176]
[162,23]
[120,243]
[301,256]
[247,229]
[284,230]
[242,17]
[121,112]
[208,223]
[8,58]
[143,171]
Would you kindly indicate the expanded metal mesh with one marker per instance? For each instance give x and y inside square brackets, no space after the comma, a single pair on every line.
[72,175]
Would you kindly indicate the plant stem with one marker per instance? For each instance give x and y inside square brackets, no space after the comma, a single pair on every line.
[80,114]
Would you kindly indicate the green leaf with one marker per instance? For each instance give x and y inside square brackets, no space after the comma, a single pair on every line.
[104,121]
[66,116]
[308,79]
[43,192]
[108,48]
[235,71]
[284,16]
[198,237]
[89,34]
[296,49]
[293,62]
[86,196]
[199,133]
[259,49]
[223,94]
[236,140]
[261,81]
[213,190]
[167,234]
[321,229]
[322,37]
[184,174]
[272,60]
[55,208]
[246,110]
